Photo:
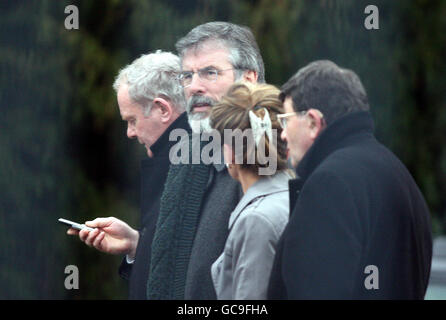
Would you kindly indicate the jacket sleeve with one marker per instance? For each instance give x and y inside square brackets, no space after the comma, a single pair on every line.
[252,256]
[322,245]
[125,269]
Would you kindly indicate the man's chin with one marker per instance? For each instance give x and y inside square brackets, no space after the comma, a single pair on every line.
[200,113]
[200,125]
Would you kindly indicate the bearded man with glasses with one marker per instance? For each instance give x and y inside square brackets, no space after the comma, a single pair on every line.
[198,199]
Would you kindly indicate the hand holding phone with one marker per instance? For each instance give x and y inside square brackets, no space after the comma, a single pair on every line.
[110,235]
[75,225]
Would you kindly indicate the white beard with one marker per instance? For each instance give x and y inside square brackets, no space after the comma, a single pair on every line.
[199,121]
[200,125]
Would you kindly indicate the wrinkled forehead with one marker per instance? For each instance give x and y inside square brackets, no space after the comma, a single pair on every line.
[208,53]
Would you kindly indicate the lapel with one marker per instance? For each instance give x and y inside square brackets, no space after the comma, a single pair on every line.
[263,187]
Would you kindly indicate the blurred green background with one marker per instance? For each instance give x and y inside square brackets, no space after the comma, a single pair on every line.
[63,148]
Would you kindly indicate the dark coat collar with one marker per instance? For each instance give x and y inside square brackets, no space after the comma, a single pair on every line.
[342,132]
[162,146]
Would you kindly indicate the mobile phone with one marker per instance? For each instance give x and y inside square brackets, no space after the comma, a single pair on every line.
[75,225]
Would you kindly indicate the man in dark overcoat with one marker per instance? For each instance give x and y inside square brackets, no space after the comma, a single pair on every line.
[359,225]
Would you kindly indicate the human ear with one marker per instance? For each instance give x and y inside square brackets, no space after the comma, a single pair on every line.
[250,76]
[317,123]
[165,108]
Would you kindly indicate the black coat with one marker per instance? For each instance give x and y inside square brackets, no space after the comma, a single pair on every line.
[153,176]
[354,205]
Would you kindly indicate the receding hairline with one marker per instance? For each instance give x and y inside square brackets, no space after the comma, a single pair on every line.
[207,45]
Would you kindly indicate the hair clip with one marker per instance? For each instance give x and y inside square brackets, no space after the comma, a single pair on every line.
[260,126]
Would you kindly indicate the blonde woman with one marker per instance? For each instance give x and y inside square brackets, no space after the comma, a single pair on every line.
[243,269]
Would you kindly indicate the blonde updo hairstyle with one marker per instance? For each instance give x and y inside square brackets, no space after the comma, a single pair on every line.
[232,112]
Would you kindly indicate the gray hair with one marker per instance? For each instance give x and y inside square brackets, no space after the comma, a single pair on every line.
[244,53]
[325,86]
[150,76]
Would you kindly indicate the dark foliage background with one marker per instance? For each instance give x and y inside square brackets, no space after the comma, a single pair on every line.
[63,149]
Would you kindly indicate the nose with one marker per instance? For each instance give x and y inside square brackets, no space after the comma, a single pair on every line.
[196,87]
[283,135]
[131,133]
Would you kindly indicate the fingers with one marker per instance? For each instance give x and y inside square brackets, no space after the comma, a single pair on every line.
[98,241]
[88,236]
[100,222]
[83,234]
[72,232]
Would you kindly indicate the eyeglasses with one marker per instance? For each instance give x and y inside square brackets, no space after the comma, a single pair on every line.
[283,118]
[208,74]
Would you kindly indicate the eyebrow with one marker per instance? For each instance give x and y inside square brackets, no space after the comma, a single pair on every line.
[204,68]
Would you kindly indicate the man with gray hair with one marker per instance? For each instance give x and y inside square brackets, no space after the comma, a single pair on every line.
[151,101]
[206,45]
[198,198]
[359,226]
